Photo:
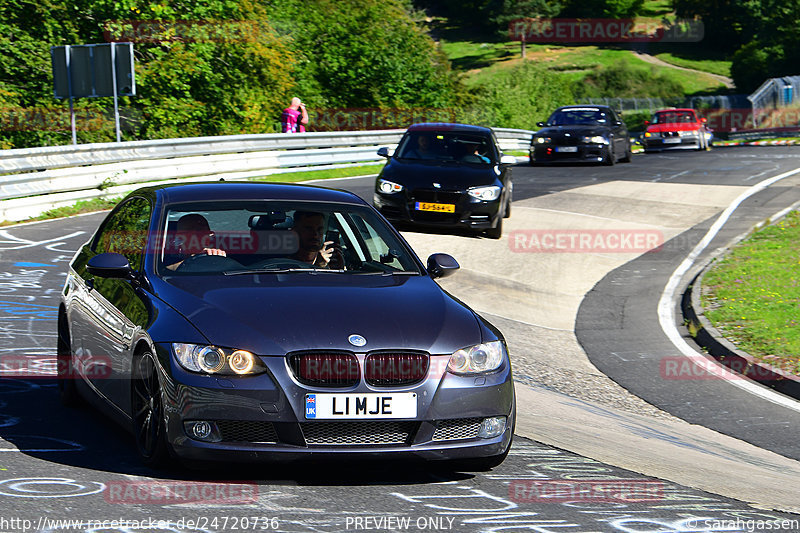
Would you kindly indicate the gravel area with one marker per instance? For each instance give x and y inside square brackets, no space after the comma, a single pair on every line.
[553,359]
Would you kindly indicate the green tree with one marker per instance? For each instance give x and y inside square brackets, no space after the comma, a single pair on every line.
[364,53]
[728,24]
[511,10]
[519,97]
[601,8]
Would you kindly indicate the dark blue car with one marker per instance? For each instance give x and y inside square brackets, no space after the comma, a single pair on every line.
[241,321]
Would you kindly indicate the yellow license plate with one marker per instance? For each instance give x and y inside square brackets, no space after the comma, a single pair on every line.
[441,208]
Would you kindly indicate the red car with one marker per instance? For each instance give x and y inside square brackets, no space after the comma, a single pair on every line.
[676,129]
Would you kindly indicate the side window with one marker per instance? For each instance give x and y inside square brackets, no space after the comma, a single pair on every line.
[126,232]
[377,248]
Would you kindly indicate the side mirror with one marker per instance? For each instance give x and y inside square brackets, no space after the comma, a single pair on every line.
[383,152]
[508,160]
[110,265]
[646,122]
[441,265]
[541,124]
[704,120]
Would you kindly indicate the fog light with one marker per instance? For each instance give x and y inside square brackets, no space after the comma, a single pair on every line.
[492,427]
[201,430]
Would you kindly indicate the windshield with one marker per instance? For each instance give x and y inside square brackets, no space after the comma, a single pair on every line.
[242,237]
[444,146]
[674,117]
[568,117]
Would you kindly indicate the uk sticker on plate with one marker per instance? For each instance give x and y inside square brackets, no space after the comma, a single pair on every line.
[357,406]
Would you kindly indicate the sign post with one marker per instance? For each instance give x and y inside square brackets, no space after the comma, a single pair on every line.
[93,71]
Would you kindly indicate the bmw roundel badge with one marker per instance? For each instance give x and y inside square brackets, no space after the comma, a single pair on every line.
[357,340]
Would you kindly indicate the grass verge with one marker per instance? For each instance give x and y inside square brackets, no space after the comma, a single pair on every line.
[322,174]
[753,295]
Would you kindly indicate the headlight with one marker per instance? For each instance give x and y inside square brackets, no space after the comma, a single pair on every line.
[594,139]
[214,360]
[541,140]
[486,194]
[648,134]
[477,359]
[389,187]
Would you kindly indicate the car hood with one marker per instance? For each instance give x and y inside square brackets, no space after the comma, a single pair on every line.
[673,126]
[451,176]
[274,314]
[578,130]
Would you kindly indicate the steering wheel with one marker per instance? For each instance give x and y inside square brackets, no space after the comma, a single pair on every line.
[208,263]
[279,262]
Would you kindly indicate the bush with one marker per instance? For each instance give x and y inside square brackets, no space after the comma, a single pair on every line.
[519,97]
[621,80]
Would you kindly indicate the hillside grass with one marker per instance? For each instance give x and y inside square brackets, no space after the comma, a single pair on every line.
[480,63]
[484,59]
[720,67]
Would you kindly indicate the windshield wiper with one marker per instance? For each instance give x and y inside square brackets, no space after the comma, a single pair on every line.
[280,271]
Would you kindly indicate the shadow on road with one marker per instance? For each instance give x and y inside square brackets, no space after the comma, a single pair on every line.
[34,421]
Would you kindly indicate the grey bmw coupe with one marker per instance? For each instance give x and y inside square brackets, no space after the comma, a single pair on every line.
[249,322]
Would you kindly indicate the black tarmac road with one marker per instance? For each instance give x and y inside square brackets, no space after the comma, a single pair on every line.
[60,465]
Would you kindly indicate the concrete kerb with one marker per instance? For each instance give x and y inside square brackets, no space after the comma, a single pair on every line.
[720,348]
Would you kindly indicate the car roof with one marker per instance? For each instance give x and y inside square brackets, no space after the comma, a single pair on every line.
[218,190]
[449,127]
[676,109]
[585,106]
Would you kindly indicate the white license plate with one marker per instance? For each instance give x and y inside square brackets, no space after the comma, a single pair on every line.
[672,140]
[566,148]
[358,406]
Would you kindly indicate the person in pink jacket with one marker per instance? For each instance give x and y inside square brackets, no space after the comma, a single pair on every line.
[295,117]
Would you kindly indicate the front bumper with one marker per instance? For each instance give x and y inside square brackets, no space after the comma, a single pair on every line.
[469,213]
[264,417]
[584,153]
[688,142]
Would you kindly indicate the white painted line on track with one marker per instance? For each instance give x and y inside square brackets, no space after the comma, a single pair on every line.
[666,309]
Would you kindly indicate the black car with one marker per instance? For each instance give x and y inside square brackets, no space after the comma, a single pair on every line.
[581,133]
[250,322]
[446,175]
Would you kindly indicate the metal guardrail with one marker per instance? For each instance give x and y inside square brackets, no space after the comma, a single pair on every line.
[37,179]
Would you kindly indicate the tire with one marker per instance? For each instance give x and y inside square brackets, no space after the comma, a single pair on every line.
[497,231]
[148,412]
[627,158]
[507,212]
[67,390]
[611,157]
